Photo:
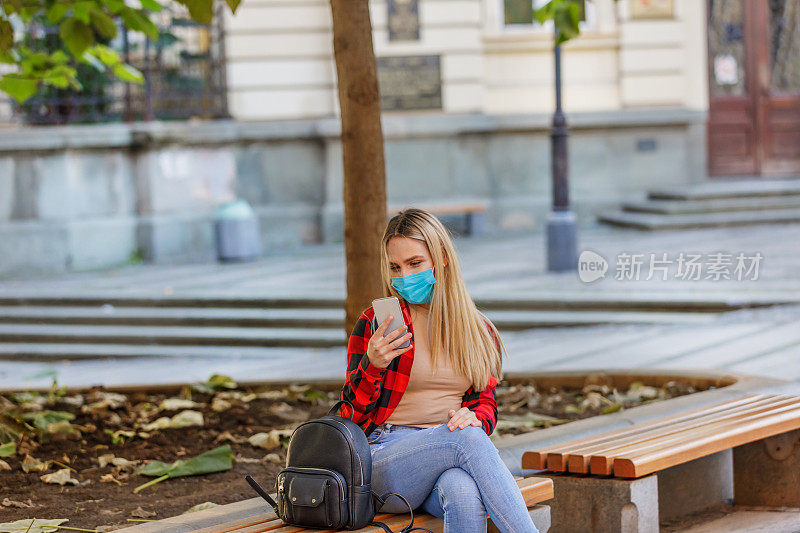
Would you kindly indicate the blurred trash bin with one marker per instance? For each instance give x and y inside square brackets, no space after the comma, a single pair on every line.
[236,231]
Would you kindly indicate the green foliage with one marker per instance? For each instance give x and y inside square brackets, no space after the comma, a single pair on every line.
[566,17]
[215,383]
[84,28]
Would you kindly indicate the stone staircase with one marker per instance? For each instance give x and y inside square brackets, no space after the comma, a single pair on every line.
[38,327]
[718,202]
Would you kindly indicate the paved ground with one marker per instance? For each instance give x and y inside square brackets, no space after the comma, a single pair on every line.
[764,341]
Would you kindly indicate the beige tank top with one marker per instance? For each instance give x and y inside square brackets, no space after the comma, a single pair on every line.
[428,397]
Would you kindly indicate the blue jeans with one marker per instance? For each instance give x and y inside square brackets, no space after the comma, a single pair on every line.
[455,475]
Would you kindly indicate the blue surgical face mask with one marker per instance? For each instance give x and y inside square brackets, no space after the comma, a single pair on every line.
[415,288]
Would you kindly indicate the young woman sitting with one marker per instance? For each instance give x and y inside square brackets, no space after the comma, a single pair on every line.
[428,409]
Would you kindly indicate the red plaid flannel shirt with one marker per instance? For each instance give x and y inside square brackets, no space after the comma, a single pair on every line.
[375,392]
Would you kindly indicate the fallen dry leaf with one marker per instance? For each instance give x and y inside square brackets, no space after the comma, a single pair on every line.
[201,506]
[219,405]
[32,525]
[142,513]
[181,420]
[122,463]
[32,464]
[8,502]
[268,441]
[173,404]
[228,436]
[287,412]
[59,477]
[272,458]
[109,478]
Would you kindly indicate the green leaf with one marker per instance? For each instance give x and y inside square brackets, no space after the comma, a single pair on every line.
[215,382]
[59,57]
[11,6]
[137,21]
[6,35]
[104,24]
[77,36]
[61,76]
[81,11]
[8,449]
[201,11]
[43,419]
[18,87]
[545,13]
[233,4]
[107,55]
[216,460]
[151,5]
[115,6]
[56,12]
[32,525]
[128,73]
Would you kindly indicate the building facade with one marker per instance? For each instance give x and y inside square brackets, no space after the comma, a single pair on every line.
[657,93]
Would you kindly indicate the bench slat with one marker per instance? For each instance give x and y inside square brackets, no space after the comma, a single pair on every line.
[534,490]
[537,459]
[580,459]
[603,464]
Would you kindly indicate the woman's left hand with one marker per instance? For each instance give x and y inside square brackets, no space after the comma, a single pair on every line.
[462,418]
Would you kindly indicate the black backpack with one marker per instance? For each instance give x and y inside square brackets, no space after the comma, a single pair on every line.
[326,483]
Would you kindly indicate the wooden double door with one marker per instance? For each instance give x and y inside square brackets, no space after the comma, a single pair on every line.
[754,85]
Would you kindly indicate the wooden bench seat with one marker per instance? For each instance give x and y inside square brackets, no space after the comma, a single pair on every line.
[534,490]
[642,449]
[745,450]
[473,209]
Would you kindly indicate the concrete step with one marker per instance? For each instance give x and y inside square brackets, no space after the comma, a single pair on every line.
[303,318]
[648,221]
[296,306]
[172,335]
[22,351]
[81,341]
[680,207]
[174,316]
[729,188]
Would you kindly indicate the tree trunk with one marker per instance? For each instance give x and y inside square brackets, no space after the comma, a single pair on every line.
[362,150]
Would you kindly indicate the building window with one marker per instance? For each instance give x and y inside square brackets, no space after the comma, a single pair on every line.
[519,13]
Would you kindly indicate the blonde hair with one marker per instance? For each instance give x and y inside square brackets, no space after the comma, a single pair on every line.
[456,327]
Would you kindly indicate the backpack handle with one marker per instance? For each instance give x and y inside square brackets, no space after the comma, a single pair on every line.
[336,407]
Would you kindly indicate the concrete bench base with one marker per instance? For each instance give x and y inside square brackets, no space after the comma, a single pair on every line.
[603,505]
[595,504]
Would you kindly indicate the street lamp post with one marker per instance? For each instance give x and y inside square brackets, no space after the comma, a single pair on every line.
[561,221]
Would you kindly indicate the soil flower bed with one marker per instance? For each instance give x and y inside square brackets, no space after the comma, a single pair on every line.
[81,459]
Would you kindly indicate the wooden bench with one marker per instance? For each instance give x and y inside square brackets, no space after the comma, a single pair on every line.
[473,210]
[755,439]
[534,491]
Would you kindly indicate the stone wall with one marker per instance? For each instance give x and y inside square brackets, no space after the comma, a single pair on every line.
[81,197]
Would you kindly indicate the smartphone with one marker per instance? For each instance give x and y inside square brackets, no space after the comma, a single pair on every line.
[384,307]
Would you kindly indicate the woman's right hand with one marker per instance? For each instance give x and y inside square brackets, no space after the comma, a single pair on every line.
[380,351]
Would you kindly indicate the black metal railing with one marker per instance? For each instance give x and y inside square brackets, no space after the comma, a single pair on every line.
[184,73]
